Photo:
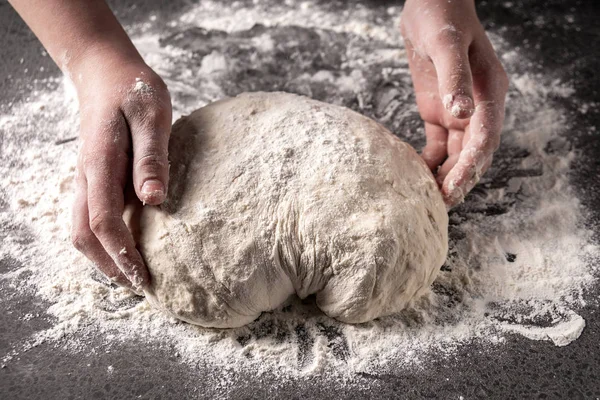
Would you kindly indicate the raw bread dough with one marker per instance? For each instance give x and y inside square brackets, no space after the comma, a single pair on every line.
[274,194]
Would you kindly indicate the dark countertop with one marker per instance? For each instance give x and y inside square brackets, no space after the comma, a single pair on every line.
[519,369]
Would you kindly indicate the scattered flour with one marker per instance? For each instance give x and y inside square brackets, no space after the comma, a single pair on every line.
[141,87]
[520,260]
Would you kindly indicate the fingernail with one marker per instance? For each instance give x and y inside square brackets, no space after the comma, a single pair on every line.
[460,106]
[153,189]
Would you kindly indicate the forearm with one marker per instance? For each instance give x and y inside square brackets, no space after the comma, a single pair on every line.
[450,15]
[430,4]
[72,29]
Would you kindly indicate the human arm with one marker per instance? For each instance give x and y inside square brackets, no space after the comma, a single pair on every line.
[125,112]
[460,88]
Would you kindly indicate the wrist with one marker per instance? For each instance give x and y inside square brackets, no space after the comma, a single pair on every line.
[451,3]
[429,17]
[99,61]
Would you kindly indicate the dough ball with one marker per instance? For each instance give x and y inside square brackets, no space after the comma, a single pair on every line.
[274,195]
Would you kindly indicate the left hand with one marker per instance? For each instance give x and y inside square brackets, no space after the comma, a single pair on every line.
[125,110]
[460,87]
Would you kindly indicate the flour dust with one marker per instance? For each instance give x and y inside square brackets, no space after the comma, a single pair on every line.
[520,259]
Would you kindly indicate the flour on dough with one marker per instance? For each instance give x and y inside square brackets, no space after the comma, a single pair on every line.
[274,195]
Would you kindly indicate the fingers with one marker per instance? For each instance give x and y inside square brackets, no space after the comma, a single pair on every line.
[119,119]
[85,241]
[449,53]
[148,114]
[483,131]
[105,166]
[435,151]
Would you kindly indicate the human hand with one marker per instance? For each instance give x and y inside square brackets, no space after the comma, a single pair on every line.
[125,111]
[460,88]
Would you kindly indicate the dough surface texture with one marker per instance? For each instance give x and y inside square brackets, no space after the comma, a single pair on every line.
[273,195]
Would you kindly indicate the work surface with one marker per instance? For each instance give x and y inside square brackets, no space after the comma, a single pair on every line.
[559,41]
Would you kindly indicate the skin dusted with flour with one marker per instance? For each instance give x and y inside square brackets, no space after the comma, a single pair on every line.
[274,194]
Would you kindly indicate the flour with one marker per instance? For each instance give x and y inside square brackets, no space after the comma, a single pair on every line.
[142,87]
[520,259]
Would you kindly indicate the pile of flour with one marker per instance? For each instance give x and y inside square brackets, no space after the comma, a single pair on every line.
[520,259]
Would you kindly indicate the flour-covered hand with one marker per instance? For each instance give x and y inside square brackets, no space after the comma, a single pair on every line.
[460,87]
[125,113]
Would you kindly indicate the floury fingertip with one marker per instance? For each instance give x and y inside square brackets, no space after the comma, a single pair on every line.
[460,106]
[153,190]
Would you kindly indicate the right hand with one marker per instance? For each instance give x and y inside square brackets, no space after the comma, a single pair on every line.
[460,87]
[125,111]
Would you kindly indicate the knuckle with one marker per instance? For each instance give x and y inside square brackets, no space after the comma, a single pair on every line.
[151,92]
[449,36]
[153,160]
[81,239]
[102,224]
[156,83]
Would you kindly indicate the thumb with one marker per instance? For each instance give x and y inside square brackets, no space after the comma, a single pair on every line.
[455,81]
[150,138]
